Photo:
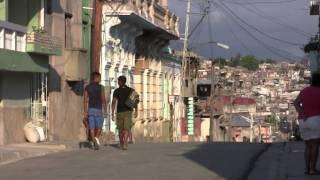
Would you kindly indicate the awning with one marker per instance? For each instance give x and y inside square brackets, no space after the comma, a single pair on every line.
[23,62]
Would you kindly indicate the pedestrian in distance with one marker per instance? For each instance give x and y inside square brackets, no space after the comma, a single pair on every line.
[127,100]
[94,109]
[307,105]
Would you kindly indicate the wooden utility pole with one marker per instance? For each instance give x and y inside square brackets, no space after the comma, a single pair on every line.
[185,61]
[213,122]
[96,36]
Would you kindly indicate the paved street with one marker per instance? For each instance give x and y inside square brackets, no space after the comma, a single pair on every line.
[142,162]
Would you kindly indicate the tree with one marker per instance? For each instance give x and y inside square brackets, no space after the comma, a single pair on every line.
[221,62]
[270,61]
[250,62]
[235,61]
[271,119]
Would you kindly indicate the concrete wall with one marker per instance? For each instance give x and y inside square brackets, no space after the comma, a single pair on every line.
[14,105]
[65,98]
[24,12]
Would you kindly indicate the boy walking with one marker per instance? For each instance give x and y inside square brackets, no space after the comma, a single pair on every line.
[94,108]
[124,112]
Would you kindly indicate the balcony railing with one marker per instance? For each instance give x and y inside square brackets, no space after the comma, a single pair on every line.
[42,43]
[12,36]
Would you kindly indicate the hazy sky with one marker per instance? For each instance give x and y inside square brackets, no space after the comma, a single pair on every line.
[287,21]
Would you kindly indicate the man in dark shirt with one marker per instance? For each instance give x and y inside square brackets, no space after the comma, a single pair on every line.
[124,113]
[94,108]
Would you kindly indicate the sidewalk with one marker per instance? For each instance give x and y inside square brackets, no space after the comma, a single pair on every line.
[15,152]
[282,161]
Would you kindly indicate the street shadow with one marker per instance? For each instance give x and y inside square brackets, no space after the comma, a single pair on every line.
[116,146]
[233,161]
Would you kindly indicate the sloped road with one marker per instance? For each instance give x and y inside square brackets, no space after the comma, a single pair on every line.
[185,161]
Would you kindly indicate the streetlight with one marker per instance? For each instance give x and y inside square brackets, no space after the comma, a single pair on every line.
[224,46]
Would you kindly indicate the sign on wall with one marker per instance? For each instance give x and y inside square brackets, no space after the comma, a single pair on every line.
[190,115]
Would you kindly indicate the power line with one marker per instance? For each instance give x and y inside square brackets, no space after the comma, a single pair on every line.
[258,30]
[197,25]
[266,46]
[258,12]
[237,38]
[259,2]
[210,35]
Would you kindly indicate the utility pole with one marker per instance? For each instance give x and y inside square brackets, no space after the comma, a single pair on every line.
[185,61]
[251,127]
[185,41]
[96,36]
[213,122]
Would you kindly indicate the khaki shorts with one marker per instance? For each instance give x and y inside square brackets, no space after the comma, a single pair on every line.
[124,120]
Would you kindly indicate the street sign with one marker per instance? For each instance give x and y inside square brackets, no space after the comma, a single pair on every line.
[190,115]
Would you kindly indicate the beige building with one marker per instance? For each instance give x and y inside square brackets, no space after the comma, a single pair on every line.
[135,36]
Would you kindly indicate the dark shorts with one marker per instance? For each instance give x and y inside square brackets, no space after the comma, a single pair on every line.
[95,118]
[124,120]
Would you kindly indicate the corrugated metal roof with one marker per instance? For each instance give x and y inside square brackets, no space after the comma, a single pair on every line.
[240,121]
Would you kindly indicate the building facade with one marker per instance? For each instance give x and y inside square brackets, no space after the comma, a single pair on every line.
[25,49]
[134,36]
[70,21]
[44,64]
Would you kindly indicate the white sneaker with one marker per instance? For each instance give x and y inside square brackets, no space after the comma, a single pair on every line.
[97,141]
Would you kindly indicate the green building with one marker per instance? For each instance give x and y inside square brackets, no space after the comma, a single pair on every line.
[25,48]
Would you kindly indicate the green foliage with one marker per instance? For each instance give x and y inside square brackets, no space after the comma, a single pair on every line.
[250,62]
[270,61]
[221,62]
[235,61]
[271,120]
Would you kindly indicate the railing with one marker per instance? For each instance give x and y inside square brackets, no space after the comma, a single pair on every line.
[42,43]
[12,36]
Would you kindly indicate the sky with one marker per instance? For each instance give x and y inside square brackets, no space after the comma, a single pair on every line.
[275,29]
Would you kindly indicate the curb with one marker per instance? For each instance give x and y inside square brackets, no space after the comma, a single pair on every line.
[16,152]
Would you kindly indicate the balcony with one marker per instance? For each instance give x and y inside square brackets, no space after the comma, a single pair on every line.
[13,50]
[12,36]
[156,16]
[42,43]
[15,37]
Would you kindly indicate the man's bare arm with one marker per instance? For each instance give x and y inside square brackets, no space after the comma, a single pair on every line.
[104,103]
[113,105]
[85,104]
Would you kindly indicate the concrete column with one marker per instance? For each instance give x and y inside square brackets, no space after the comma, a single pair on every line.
[146,92]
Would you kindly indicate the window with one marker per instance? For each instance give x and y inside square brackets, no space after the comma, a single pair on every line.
[8,44]
[20,45]
[42,14]
[67,30]
[1,38]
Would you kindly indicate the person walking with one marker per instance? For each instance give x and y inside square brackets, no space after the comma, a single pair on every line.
[307,105]
[94,108]
[124,111]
